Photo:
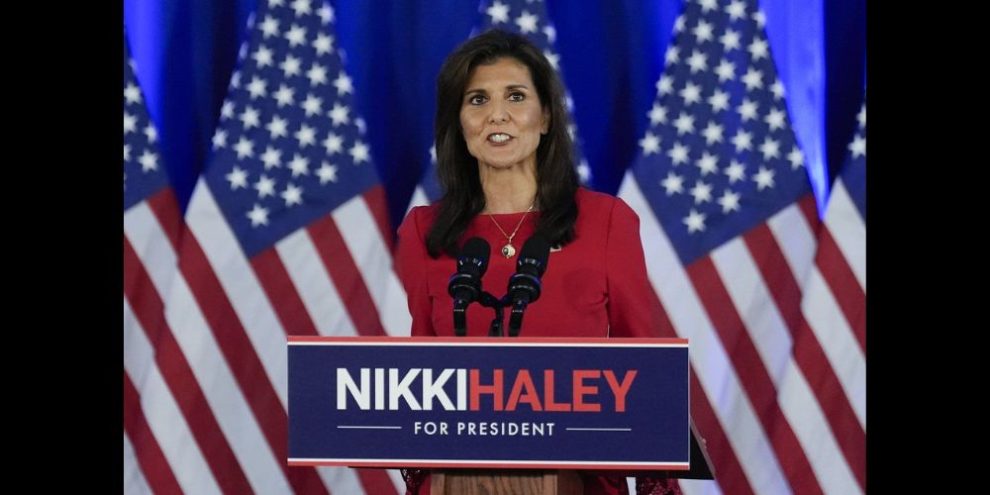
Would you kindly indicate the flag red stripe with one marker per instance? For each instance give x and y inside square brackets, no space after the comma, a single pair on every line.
[728,472]
[375,481]
[346,277]
[292,314]
[725,464]
[809,210]
[807,350]
[839,276]
[664,326]
[178,375]
[752,374]
[166,209]
[839,412]
[154,465]
[243,361]
[282,293]
[378,204]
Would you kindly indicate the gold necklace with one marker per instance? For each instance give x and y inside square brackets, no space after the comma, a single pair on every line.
[508,250]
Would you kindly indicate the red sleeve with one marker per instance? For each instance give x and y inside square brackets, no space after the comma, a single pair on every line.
[410,264]
[631,312]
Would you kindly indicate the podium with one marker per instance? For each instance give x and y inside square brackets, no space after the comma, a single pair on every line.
[557,482]
[513,416]
[515,482]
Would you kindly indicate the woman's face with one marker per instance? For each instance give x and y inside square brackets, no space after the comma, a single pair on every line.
[501,115]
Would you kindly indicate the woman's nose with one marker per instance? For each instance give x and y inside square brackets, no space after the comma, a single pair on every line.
[498,114]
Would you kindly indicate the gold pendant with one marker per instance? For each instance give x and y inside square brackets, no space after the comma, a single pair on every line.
[508,251]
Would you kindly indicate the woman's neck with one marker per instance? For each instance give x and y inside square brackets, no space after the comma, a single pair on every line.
[511,190]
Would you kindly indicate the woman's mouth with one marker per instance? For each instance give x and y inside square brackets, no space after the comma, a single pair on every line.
[498,138]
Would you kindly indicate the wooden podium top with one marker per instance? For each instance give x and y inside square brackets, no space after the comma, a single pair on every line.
[506,482]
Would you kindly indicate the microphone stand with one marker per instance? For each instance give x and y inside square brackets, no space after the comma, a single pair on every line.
[460,317]
[515,318]
[498,306]
[489,301]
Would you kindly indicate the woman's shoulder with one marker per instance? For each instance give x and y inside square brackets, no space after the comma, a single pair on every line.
[424,212]
[419,218]
[603,203]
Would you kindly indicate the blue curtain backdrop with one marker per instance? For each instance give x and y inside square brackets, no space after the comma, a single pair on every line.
[612,53]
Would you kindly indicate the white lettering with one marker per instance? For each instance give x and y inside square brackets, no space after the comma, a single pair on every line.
[345,384]
[430,427]
[379,389]
[401,388]
[433,389]
[462,389]
[505,428]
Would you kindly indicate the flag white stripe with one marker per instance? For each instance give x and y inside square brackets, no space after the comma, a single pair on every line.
[341,480]
[397,310]
[796,240]
[698,487]
[134,482]
[314,285]
[139,356]
[164,418]
[419,198]
[222,392]
[838,342]
[396,477]
[151,244]
[812,430]
[374,262]
[770,336]
[744,284]
[710,362]
[849,230]
[241,286]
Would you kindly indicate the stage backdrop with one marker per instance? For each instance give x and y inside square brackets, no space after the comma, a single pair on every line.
[612,52]
[214,281]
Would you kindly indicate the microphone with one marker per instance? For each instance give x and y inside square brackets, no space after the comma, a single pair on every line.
[524,285]
[465,285]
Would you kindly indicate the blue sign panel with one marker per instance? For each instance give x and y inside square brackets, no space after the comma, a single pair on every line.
[493,403]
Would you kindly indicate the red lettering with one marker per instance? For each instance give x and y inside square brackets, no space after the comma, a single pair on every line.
[620,390]
[523,382]
[495,389]
[580,390]
[548,387]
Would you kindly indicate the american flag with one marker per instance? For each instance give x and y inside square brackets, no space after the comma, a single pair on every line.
[528,18]
[152,230]
[729,228]
[286,233]
[834,302]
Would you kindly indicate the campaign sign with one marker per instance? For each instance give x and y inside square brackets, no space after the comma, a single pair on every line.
[544,403]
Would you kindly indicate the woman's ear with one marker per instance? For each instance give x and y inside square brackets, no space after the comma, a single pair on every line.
[546,122]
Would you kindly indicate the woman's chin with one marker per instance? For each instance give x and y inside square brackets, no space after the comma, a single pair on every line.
[501,164]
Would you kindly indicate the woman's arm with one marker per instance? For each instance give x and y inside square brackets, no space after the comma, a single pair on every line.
[410,265]
[633,308]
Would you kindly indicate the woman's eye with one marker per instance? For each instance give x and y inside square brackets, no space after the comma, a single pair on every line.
[476,100]
[517,97]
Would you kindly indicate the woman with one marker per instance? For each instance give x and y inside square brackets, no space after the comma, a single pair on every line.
[504,160]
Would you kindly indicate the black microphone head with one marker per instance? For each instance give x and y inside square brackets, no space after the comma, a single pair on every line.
[525,283]
[465,284]
[534,255]
[474,256]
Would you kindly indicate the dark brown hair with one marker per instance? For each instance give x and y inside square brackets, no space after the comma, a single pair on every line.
[457,170]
